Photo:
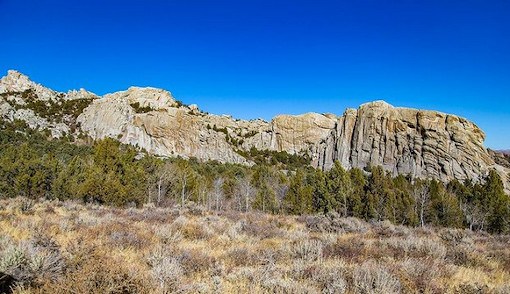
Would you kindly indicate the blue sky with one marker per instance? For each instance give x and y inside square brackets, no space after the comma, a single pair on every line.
[256,59]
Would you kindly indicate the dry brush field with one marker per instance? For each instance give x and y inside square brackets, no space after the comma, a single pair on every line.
[67,247]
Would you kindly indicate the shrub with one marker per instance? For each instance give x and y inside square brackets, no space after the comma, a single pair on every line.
[122,238]
[22,205]
[166,270]
[33,261]
[240,257]
[416,247]
[167,234]
[309,250]
[423,275]
[387,229]
[100,274]
[471,288]
[150,215]
[351,249]
[281,285]
[14,262]
[168,273]
[195,231]
[261,228]
[141,109]
[330,279]
[234,231]
[332,223]
[191,229]
[453,235]
[194,261]
[374,278]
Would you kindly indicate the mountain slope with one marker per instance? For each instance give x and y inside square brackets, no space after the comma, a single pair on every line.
[420,143]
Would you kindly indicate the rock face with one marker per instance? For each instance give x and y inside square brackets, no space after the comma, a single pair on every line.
[163,128]
[407,141]
[40,107]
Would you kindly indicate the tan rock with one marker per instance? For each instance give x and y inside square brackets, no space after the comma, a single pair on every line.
[420,143]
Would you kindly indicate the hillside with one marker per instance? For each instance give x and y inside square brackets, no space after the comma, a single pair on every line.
[418,143]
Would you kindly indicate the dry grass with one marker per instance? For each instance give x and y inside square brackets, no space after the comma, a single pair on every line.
[66,247]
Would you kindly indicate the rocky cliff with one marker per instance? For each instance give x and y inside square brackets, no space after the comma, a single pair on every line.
[419,143]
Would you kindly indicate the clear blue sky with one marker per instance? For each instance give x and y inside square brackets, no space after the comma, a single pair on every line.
[259,58]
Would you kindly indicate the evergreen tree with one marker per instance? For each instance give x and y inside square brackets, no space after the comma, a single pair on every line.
[265,198]
[380,197]
[322,200]
[444,209]
[404,201]
[298,199]
[358,195]
[499,214]
[341,190]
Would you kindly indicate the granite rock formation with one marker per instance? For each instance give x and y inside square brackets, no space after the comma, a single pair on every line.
[419,143]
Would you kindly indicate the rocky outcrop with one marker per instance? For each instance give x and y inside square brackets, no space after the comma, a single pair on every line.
[39,107]
[501,157]
[153,120]
[407,141]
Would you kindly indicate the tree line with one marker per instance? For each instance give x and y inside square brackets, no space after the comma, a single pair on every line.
[108,172]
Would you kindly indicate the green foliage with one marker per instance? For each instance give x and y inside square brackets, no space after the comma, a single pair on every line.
[230,139]
[250,134]
[298,199]
[220,130]
[114,176]
[323,201]
[281,159]
[498,204]
[341,189]
[358,181]
[404,201]
[29,162]
[34,167]
[179,103]
[444,207]
[263,179]
[141,109]
[54,110]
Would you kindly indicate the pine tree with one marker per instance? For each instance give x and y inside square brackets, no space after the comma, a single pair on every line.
[358,195]
[265,199]
[444,209]
[322,200]
[380,197]
[499,214]
[341,190]
[405,203]
[298,199]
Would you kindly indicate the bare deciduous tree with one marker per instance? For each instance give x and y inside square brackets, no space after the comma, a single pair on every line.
[245,191]
[217,193]
[421,194]
[475,216]
[171,178]
[161,182]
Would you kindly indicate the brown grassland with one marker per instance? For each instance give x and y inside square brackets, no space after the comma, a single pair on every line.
[68,247]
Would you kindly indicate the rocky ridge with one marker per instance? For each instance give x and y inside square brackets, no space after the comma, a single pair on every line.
[414,142]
